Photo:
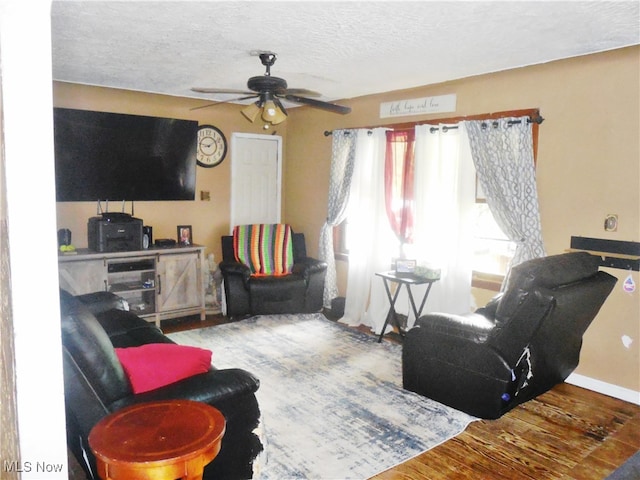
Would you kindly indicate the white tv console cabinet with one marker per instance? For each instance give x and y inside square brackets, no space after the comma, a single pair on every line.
[158,283]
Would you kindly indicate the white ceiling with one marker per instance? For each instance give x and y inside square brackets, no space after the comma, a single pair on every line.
[341,49]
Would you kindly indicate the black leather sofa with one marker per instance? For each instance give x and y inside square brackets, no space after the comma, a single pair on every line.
[518,346]
[95,383]
[299,292]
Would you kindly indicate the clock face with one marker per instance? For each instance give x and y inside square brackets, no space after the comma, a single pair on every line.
[212,146]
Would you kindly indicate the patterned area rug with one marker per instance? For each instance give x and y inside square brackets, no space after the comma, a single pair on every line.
[331,397]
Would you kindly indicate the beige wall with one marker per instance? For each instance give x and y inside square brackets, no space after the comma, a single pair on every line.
[588,166]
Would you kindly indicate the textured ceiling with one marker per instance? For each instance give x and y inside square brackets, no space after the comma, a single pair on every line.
[341,49]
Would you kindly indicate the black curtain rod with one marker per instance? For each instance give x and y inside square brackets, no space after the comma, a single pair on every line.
[539,119]
[485,125]
[330,132]
[347,132]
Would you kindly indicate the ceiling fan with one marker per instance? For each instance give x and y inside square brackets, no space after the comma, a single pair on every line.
[269,91]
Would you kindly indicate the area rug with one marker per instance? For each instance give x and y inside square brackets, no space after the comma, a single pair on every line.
[331,397]
[628,470]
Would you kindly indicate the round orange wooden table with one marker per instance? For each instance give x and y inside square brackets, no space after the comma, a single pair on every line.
[157,440]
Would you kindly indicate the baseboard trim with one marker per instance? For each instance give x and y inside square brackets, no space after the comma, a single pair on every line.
[605,388]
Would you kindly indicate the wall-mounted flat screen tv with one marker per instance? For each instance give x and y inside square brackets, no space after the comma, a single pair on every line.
[112,156]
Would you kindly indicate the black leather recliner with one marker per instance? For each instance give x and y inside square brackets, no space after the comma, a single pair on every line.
[298,292]
[517,347]
[95,384]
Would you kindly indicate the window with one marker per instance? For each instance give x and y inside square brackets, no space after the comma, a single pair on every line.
[492,250]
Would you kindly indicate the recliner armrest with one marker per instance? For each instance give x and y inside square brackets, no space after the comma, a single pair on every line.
[490,309]
[307,266]
[471,326]
[235,268]
[211,387]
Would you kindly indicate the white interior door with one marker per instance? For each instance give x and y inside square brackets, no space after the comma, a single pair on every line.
[256,173]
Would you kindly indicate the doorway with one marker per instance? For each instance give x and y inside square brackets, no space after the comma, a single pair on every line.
[256,179]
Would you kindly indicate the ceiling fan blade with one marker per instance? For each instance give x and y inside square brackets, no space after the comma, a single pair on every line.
[332,107]
[224,101]
[220,90]
[277,101]
[301,91]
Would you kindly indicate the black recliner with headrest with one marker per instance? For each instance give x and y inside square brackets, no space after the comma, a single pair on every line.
[300,291]
[521,344]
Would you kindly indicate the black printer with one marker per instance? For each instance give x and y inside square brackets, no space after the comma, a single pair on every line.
[114,232]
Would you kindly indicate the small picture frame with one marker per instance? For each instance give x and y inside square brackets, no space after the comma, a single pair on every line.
[185,235]
[405,267]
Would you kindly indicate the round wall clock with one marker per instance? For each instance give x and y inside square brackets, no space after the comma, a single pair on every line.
[212,146]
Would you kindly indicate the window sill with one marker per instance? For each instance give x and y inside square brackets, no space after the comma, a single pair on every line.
[343,257]
[487,281]
[483,280]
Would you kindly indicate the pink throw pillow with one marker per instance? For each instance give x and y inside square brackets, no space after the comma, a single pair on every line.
[155,365]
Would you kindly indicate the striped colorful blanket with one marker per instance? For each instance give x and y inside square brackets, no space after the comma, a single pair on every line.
[267,249]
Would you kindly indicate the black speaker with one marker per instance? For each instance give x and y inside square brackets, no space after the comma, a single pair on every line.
[64,237]
[147,236]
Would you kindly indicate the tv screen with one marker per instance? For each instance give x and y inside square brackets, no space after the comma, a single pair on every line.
[112,156]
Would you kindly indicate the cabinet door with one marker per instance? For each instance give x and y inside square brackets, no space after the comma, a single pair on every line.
[83,276]
[179,283]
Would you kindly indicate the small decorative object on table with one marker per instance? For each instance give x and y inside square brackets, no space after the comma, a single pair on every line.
[428,272]
[404,266]
[185,235]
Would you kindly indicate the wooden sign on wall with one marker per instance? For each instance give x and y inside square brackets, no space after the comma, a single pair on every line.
[418,106]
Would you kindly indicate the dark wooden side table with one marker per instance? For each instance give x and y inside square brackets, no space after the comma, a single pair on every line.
[407,279]
[157,440]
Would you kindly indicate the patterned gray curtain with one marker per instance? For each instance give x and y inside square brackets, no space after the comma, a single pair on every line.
[502,152]
[342,161]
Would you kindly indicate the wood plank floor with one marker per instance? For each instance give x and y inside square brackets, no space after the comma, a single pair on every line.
[568,433]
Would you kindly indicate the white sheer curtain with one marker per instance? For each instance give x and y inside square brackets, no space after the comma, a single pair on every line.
[444,196]
[370,237]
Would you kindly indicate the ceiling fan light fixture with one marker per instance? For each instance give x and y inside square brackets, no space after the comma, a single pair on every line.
[272,114]
[251,111]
